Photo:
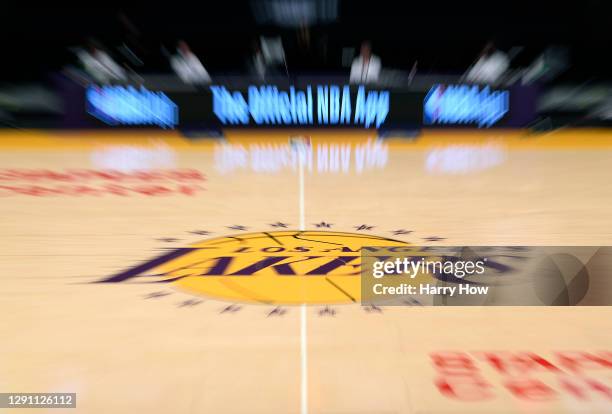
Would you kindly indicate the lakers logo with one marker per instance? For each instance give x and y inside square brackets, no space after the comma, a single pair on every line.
[282,267]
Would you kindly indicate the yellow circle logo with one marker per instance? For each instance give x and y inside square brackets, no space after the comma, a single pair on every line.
[285,267]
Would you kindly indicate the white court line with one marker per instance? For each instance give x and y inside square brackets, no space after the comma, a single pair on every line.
[303,326]
[304,360]
[301,189]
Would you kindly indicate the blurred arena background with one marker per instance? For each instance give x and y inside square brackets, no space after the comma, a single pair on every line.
[554,57]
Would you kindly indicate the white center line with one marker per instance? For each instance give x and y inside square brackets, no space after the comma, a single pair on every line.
[301,189]
[303,315]
[304,359]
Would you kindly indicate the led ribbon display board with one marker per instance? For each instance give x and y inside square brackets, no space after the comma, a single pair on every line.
[314,105]
[311,106]
[463,104]
[119,105]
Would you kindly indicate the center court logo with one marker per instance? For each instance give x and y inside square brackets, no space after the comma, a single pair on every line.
[280,267]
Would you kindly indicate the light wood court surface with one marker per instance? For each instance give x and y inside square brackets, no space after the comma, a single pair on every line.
[235,344]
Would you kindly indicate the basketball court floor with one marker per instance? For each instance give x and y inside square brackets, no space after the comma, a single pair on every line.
[150,273]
